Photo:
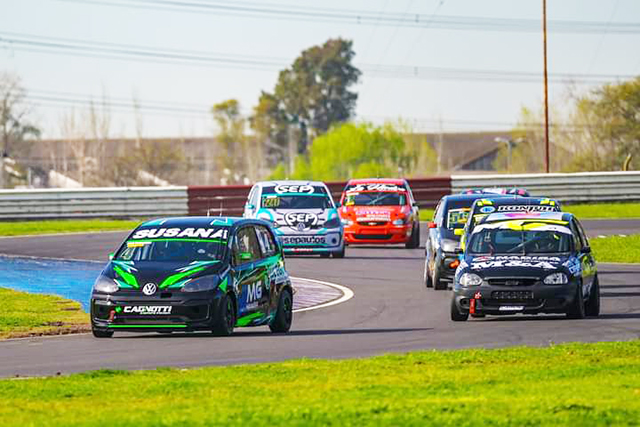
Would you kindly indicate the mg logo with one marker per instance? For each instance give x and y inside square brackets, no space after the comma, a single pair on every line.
[149,289]
[254,292]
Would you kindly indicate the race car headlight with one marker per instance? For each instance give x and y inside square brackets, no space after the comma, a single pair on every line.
[556,279]
[201,284]
[400,221]
[105,285]
[470,279]
[332,223]
[449,245]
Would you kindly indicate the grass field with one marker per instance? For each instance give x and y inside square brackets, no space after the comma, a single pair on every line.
[25,314]
[575,384]
[616,248]
[63,226]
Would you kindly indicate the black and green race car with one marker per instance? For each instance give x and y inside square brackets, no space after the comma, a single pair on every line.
[194,273]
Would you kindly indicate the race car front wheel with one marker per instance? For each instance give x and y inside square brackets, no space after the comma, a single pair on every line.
[576,309]
[99,333]
[456,315]
[284,315]
[225,319]
[592,308]
[414,240]
[338,254]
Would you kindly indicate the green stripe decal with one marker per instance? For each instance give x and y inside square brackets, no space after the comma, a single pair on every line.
[179,276]
[129,278]
[245,320]
[147,326]
[223,285]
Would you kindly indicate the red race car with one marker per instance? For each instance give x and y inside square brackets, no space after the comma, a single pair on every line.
[379,211]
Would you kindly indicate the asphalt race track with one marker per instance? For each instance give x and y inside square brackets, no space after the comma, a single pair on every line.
[391,311]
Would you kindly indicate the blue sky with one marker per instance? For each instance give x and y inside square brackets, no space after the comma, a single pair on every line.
[435,104]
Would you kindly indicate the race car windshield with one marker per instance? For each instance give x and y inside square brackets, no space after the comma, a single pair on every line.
[374,198]
[171,250]
[507,241]
[296,202]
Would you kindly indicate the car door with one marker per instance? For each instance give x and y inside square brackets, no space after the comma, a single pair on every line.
[587,262]
[249,275]
[276,275]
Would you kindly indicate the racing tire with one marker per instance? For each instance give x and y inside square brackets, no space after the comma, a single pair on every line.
[576,310]
[225,319]
[414,240]
[98,333]
[284,315]
[325,255]
[338,254]
[438,284]
[427,274]
[592,307]
[456,316]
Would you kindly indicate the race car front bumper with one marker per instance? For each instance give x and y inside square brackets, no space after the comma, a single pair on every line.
[385,233]
[501,300]
[173,311]
[328,242]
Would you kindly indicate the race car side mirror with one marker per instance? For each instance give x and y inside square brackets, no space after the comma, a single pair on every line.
[111,255]
[458,231]
[432,224]
[586,250]
[250,206]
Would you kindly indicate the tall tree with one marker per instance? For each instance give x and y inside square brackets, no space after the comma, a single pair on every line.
[14,125]
[314,93]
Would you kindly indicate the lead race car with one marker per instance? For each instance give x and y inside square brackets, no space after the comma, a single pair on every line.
[194,273]
[526,262]
[302,213]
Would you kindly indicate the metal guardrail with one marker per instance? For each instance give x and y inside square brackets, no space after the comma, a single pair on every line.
[125,202]
[566,187]
[131,202]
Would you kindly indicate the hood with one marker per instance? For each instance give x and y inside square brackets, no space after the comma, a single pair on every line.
[165,274]
[298,219]
[515,265]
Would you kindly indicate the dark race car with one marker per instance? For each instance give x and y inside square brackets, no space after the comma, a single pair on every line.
[194,273]
[449,219]
[533,262]
[513,191]
[483,207]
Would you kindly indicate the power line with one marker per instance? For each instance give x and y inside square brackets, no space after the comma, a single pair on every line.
[346,16]
[51,45]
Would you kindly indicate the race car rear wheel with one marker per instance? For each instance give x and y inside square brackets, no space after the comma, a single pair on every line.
[98,333]
[592,307]
[284,314]
[225,319]
[576,310]
[456,315]
[414,240]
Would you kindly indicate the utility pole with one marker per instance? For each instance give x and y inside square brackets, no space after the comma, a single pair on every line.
[292,148]
[546,87]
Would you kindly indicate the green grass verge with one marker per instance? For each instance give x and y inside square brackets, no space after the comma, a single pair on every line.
[573,384]
[63,226]
[616,248]
[604,210]
[25,314]
[426,214]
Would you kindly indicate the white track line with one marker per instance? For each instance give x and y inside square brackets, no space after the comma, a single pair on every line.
[347,294]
